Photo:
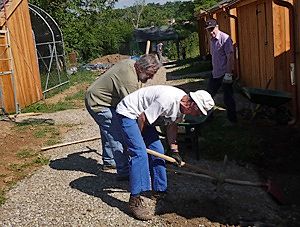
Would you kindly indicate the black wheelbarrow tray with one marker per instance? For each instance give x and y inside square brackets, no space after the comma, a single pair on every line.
[191,128]
[268,97]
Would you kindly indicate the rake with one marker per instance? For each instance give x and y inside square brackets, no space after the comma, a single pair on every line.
[269,186]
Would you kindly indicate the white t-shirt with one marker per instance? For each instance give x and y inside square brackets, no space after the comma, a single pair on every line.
[154,101]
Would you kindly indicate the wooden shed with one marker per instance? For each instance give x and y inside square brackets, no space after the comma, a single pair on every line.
[266,38]
[20,83]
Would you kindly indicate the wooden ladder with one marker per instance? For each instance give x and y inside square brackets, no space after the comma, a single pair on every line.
[6,58]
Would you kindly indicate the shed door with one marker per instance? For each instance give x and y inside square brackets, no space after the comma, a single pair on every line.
[263,45]
[253,40]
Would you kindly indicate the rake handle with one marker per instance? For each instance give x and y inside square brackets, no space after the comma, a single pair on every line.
[184,164]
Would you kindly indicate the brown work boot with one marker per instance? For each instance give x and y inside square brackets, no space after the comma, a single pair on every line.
[138,208]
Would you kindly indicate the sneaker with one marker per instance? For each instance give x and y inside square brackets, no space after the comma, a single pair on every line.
[138,209]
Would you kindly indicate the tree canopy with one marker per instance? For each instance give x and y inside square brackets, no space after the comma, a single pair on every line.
[94,28]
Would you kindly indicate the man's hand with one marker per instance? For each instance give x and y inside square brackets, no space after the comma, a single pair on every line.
[227,79]
[175,154]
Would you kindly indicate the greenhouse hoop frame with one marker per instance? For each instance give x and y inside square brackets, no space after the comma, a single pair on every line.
[48,59]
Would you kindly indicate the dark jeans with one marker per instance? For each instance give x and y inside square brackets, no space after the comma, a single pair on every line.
[214,85]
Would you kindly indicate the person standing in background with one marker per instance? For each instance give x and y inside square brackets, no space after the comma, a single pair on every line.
[159,50]
[221,49]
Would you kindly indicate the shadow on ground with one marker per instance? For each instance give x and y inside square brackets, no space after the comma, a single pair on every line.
[77,162]
[101,185]
[188,200]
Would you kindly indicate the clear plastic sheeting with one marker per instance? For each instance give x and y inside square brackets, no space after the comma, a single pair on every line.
[50,49]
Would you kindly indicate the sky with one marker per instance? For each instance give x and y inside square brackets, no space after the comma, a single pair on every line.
[126,3]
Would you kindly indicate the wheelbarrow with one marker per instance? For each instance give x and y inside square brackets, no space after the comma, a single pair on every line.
[189,131]
[267,97]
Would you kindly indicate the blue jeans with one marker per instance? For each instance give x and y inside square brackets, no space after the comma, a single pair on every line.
[111,139]
[146,172]
[214,85]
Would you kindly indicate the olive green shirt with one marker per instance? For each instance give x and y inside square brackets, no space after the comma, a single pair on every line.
[111,87]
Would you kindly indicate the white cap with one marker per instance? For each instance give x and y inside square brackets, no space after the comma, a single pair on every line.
[203,100]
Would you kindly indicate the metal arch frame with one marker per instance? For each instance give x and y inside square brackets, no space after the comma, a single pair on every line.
[52,48]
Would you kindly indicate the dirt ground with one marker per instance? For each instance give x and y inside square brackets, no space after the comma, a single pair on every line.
[109,59]
[230,205]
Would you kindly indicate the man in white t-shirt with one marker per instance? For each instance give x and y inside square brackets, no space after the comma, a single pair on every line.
[138,113]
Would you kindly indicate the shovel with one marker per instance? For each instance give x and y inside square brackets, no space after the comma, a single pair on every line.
[269,186]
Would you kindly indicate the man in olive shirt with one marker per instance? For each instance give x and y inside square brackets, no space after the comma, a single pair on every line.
[102,98]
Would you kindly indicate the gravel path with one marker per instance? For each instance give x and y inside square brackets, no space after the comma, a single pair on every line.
[72,191]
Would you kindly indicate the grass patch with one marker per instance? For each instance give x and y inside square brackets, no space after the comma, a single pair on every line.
[238,142]
[194,67]
[21,127]
[83,76]
[80,77]
[49,108]
[53,79]
[41,160]
[45,131]
[77,96]
[25,154]
[37,160]
[2,197]
[18,167]
[42,131]
[27,123]
[51,142]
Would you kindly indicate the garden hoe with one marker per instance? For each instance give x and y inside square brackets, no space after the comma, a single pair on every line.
[269,186]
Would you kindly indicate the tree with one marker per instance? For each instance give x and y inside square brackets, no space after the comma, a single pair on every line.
[204,4]
[94,28]
[138,6]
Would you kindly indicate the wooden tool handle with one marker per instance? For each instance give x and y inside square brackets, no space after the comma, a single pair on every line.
[183,164]
[165,157]
[69,143]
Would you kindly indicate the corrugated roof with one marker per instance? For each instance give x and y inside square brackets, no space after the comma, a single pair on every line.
[219,5]
[155,33]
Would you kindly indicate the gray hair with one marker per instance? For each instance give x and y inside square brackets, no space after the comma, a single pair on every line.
[149,60]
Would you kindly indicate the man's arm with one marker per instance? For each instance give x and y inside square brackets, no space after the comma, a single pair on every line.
[172,135]
[230,62]
[230,55]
